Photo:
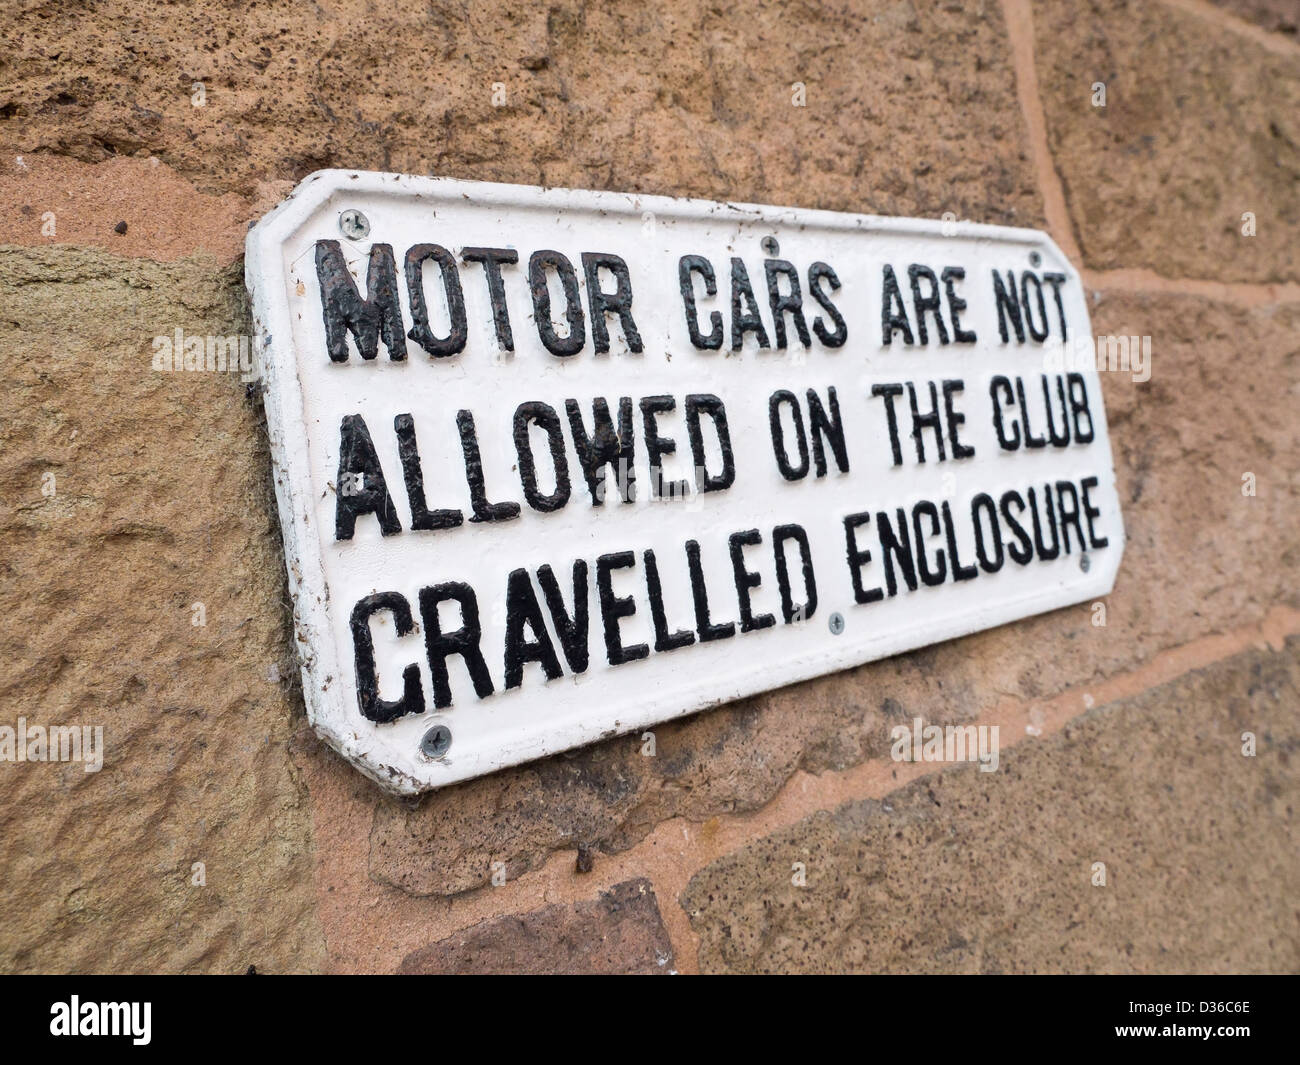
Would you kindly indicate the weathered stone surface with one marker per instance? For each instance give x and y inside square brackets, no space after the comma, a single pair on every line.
[1198,841]
[163,495]
[1202,558]
[56,200]
[620,933]
[161,501]
[911,108]
[1200,126]
[1208,415]
[1278,16]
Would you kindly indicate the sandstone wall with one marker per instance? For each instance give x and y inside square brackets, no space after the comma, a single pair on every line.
[1123,741]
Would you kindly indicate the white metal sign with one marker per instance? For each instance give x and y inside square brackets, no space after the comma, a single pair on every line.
[557,465]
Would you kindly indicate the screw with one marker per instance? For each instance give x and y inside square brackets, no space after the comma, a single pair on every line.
[836,623]
[436,742]
[354,225]
[1085,563]
[770,247]
[1035,259]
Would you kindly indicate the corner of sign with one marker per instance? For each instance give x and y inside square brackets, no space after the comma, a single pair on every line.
[1119,542]
[294,210]
[1051,247]
[346,745]
[1107,564]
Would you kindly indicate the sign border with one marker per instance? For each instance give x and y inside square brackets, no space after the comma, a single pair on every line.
[322,667]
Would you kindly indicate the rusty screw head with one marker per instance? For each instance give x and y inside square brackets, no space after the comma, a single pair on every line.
[836,623]
[436,742]
[354,225]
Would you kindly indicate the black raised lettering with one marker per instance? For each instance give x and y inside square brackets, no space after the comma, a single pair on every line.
[707,629]
[570,625]
[747,580]
[657,447]
[538,264]
[785,303]
[421,516]
[1022,551]
[832,338]
[378,316]
[360,487]
[705,404]
[464,641]
[372,707]
[929,302]
[859,557]
[605,447]
[697,264]
[618,302]
[523,611]
[493,259]
[893,312]
[664,640]
[896,546]
[1008,304]
[1002,384]
[930,577]
[774,404]
[959,572]
[889,392]
[483,510]
[421,332]
[544,417]
[981,504]
[748,319]
[951,275]
[789,610]
[827,429]
[614,608]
